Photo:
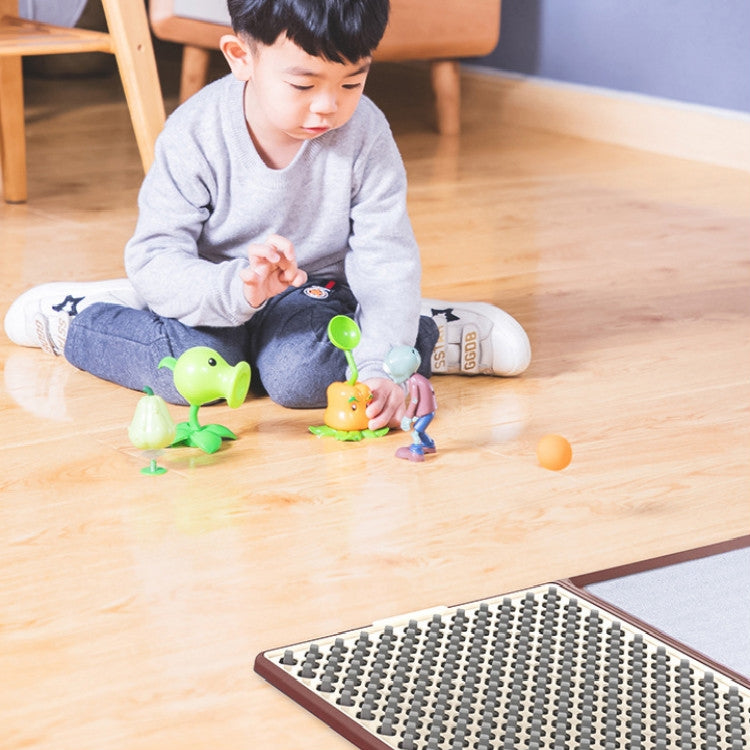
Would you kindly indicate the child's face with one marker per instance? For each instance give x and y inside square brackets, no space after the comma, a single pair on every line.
[300,96]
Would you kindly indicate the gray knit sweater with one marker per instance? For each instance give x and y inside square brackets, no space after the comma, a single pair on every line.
[341,202]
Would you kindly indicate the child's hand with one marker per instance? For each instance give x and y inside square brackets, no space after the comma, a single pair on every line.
[273,268]
[388,403]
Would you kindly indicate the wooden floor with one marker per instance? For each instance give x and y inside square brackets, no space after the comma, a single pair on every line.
[132,607]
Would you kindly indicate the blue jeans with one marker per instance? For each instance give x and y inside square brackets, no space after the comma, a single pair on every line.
[419,431]
[286,344]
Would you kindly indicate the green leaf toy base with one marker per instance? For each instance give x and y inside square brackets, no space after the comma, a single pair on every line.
[324,430]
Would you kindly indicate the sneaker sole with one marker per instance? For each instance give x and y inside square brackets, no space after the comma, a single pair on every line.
[43,338]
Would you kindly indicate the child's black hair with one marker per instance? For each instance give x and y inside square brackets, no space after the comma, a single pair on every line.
[338,30]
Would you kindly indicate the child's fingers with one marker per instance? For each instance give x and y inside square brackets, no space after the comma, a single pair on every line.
[267,252]
[273,267]
[387,405]
[278,252]
[284,247]
[259,269]
[294,276]
[290,271]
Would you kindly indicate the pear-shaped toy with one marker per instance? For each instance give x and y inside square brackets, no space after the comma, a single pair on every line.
[152,429]
[201,376]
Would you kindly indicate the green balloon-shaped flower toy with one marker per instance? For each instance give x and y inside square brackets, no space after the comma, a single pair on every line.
[202,376]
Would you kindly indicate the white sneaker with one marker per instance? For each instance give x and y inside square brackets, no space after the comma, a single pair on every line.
[476,338]
[41,316]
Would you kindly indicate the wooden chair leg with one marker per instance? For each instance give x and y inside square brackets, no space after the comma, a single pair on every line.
[131,44]
[12,131]
[195,64]
[446,84]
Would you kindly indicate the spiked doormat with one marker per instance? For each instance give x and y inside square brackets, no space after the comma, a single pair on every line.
[544,667]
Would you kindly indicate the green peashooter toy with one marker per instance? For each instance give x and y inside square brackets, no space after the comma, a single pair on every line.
[201,376]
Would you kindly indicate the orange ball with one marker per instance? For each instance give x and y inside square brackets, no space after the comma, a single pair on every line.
[554,452]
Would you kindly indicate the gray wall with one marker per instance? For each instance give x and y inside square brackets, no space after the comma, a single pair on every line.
[695,51]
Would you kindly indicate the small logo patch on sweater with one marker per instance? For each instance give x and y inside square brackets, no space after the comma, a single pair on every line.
[317,292]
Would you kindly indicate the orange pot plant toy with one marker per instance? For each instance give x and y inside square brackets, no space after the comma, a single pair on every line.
[345,417]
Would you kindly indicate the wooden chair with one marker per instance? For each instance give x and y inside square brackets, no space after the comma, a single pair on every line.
[129,40]
[440,31]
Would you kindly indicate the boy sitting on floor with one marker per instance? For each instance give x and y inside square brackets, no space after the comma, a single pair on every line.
[277,199]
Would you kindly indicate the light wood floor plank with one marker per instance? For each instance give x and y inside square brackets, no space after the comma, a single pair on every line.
[131,607]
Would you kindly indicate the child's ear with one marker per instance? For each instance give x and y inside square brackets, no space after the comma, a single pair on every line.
[238,54]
